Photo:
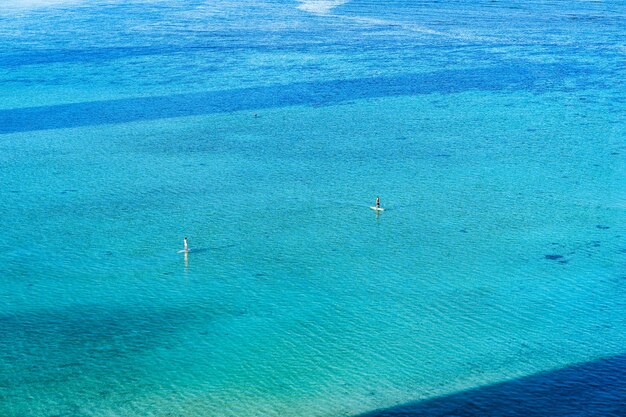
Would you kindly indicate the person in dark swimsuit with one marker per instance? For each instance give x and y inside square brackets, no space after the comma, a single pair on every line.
[377,202]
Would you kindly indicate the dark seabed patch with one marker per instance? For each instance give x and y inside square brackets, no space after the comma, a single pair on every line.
[595,388]
[554,257]
[519,75]
[602,227]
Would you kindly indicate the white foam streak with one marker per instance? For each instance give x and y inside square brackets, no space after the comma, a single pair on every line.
[410,27]
[324,7]
[320,6]
[33,4]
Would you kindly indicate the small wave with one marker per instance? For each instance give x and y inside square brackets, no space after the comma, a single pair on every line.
[411,27]
[324,7]
[33,4]
[319,6]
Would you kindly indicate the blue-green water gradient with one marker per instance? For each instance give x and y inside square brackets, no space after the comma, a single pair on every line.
[493,133]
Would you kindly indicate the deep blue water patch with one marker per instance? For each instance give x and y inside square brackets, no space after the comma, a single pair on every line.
[592,389]
[519,76]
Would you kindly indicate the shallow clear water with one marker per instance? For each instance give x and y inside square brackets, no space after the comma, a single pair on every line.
[493,133]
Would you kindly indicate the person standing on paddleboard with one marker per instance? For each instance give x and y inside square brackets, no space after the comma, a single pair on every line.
[185,246]
[377,202]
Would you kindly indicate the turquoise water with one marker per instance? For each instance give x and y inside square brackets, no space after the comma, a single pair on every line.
[493,133]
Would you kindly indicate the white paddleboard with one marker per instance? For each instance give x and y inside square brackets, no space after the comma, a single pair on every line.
[377,208]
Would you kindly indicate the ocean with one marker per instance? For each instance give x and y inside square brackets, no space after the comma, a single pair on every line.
[493,133]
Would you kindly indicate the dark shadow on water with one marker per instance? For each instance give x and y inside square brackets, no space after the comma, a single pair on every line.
[513,76]
[201,250]
[197,250]
[595,388]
